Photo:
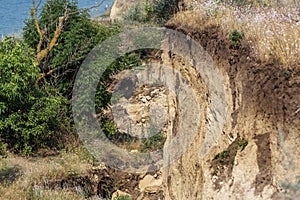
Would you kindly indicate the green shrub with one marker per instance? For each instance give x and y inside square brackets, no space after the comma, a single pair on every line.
[33,117]
[235,37]
[109,127]
[163,10]
[222,156]
[153,143]
[137,12]
[28,117]
[157,11]
[242,144]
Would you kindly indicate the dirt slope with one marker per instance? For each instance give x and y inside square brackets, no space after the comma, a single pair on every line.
[262,108]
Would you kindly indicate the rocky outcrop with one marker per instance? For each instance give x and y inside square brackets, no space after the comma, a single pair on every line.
[120,7]
[249,149]
[146,109]
[232,127]
[255,155]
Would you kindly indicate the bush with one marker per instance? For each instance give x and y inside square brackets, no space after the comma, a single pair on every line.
[109,128]
[163,10]
[153,143]
[137,12]
[242,144]
[158,11]
[28,117]
[222,156]
[34,117]
[236,37]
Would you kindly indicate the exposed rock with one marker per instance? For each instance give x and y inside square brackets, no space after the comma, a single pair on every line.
[150,184]
[120,7]
[142,115]
[260,108]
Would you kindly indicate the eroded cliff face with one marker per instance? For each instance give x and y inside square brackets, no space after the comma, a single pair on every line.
[249,149]
[231,121]
[255,154]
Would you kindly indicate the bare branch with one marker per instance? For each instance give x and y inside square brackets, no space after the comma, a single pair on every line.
[39,3]
[34,14]
[43,75]
[41,54]
[89,8]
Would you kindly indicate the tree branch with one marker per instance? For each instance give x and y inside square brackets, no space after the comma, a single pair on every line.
[43,53]
[34,15]
[89,8]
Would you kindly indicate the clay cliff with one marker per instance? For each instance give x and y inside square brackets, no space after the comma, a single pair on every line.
[246,142]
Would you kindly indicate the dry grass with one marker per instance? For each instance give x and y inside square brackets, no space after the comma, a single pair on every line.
[34,172]
[273,32]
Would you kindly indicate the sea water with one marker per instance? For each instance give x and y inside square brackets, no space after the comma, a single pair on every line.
[14,12]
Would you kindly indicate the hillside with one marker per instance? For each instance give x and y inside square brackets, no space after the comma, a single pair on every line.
[255,155]
[213,114]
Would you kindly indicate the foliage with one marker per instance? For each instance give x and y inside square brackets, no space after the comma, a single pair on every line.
[78,37]
[109,127]
[242,144]
[153,143]
[138,12]
[236,37]
[3,147]
[29,116]
[17,73]
[34,117]
[163,10]
[222,156]
[158,11]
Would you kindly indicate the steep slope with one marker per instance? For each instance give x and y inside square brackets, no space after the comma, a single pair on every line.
[256,155]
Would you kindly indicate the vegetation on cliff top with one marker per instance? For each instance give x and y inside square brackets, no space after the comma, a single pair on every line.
[271,28]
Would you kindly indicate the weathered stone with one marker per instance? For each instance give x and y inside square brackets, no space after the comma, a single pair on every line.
[150,184]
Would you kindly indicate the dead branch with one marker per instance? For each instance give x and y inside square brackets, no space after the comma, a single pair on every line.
[89,8]
[34,15]
[43,53]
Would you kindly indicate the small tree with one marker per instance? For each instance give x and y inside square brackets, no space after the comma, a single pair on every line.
[62,35]
[55,43]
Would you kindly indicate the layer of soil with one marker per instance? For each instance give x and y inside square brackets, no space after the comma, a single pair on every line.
[102,182]
[265,90]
